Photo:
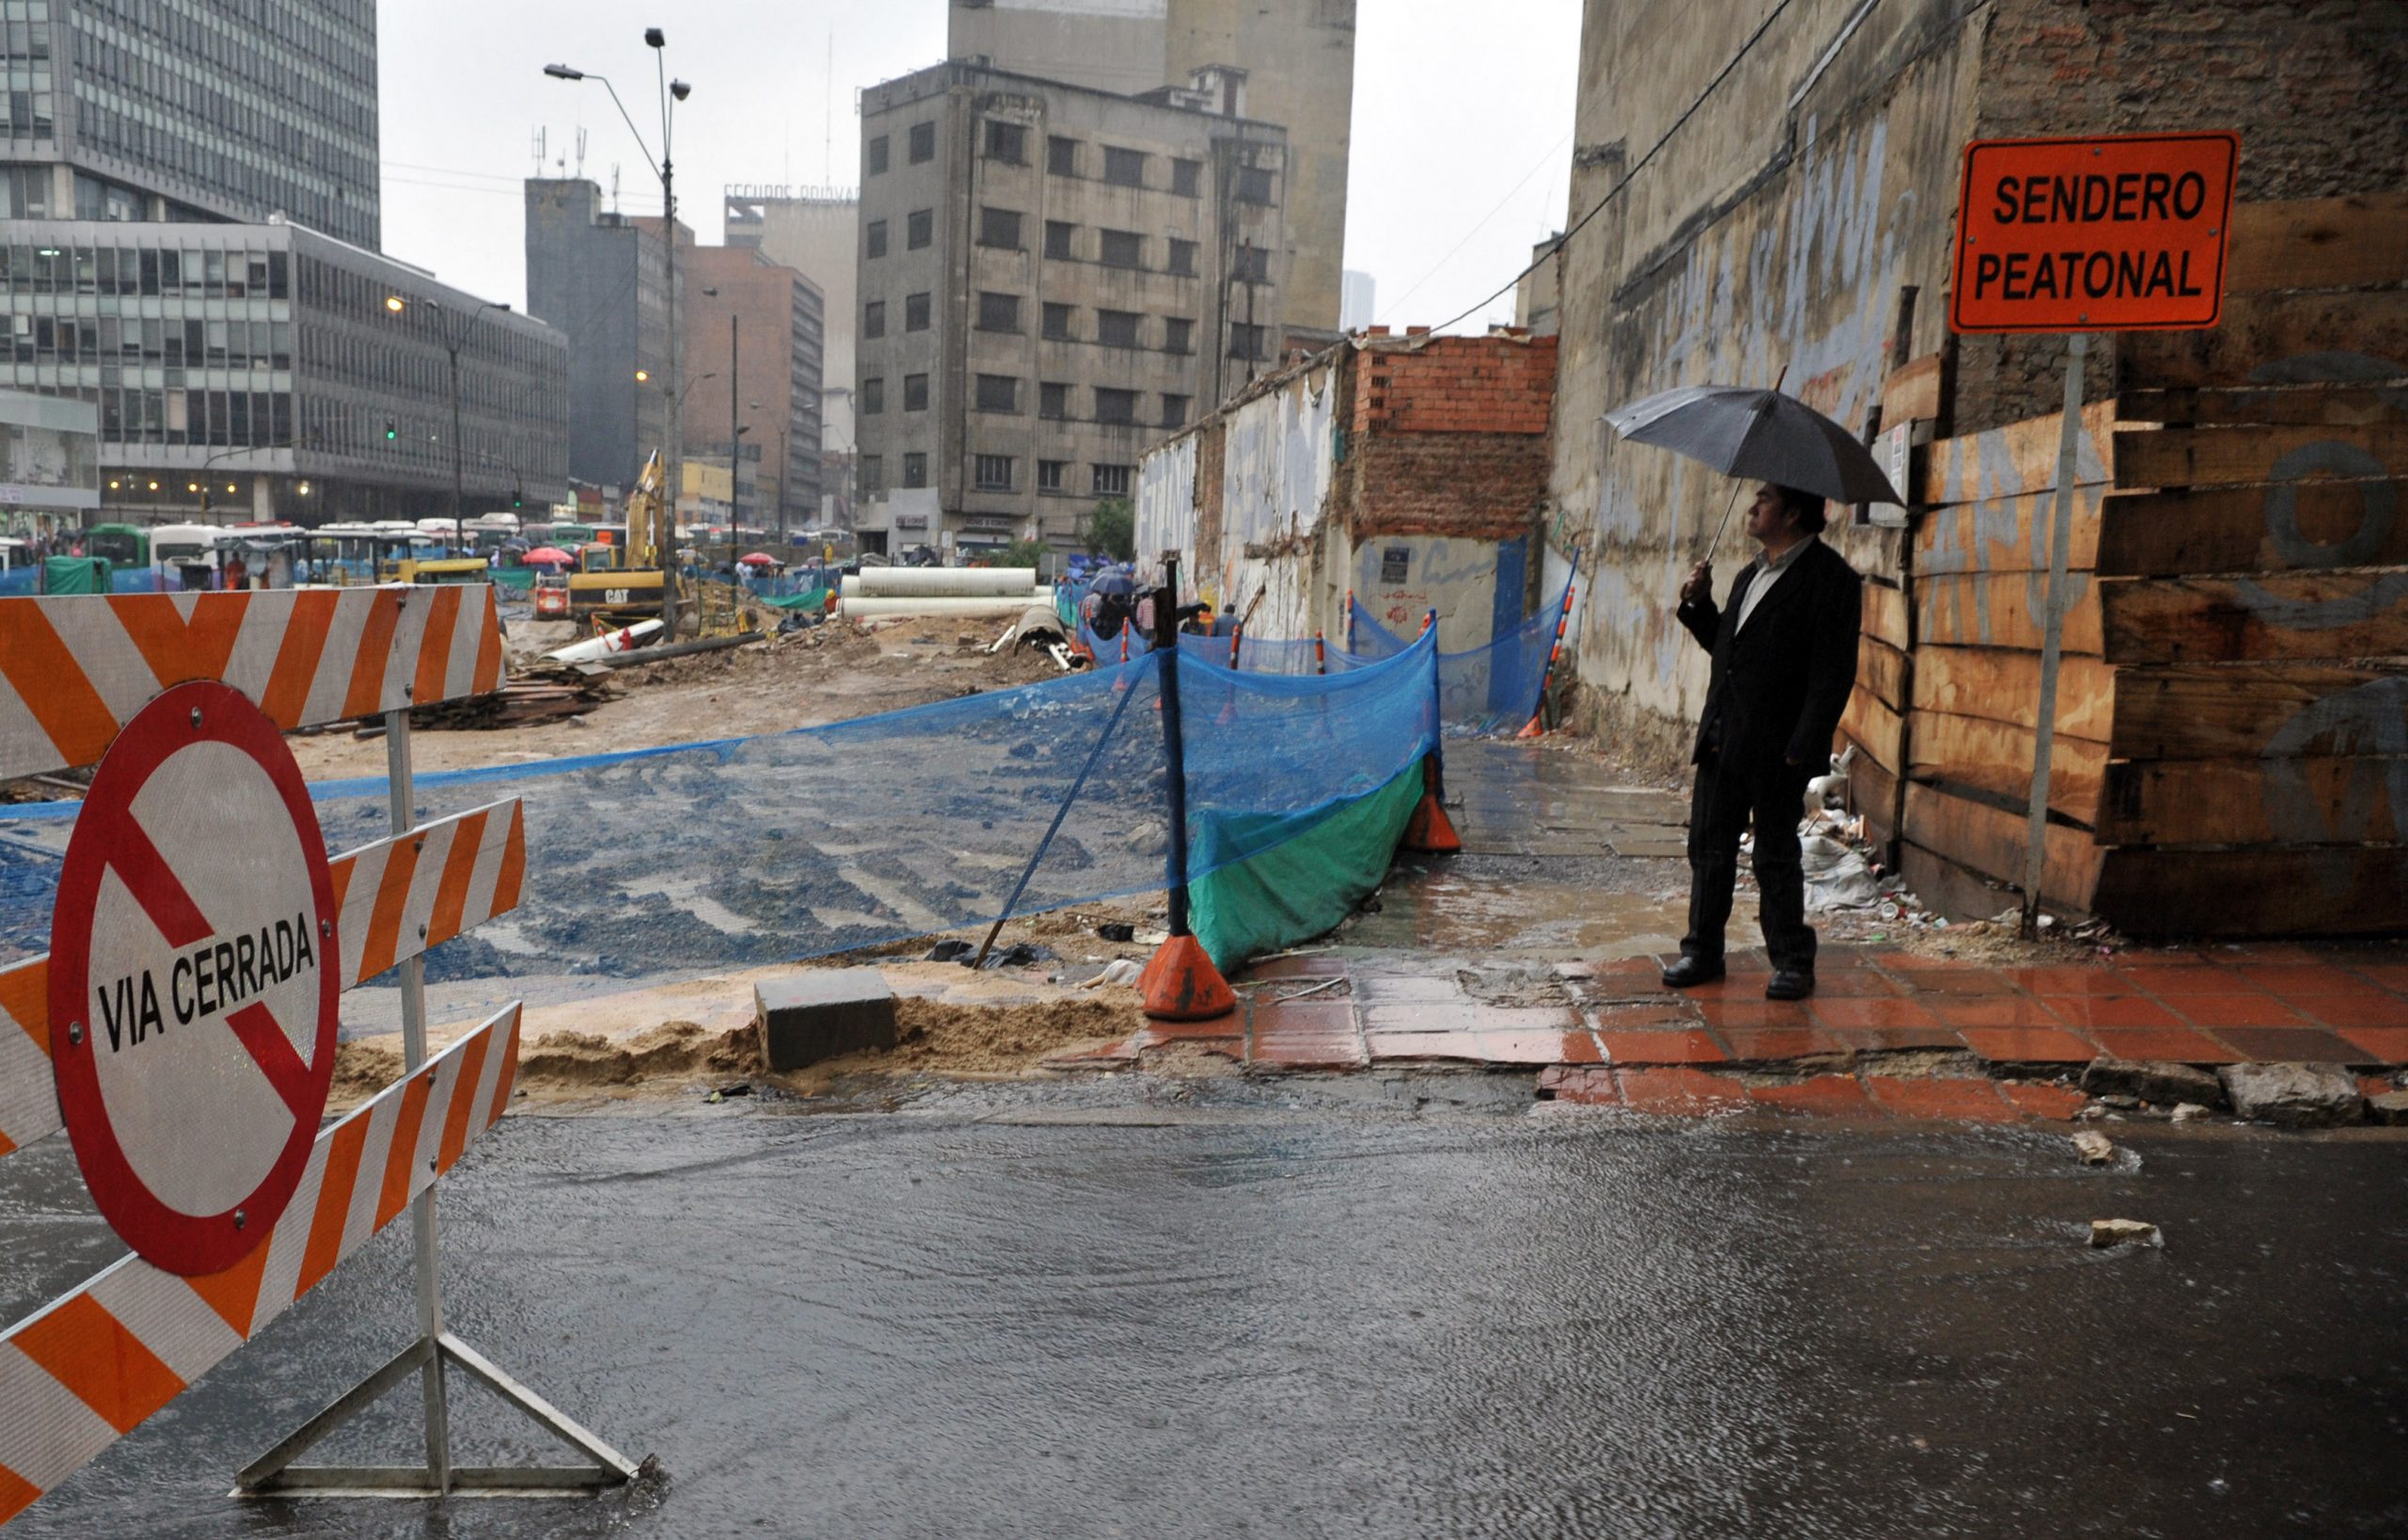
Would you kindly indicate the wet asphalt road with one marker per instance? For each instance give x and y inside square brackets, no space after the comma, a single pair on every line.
[1316,1308]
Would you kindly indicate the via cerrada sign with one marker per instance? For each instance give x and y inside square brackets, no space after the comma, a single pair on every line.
[2125,232]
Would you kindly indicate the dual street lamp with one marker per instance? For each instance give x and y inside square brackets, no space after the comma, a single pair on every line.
[452,329]
[672,92]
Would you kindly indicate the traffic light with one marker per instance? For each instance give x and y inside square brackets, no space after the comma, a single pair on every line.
[391,432]
[516,501]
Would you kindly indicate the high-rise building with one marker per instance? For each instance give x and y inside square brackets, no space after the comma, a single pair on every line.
[1294,61]
[600,278]
[181,109]
[1358,299]
[1051,277]
[268,364]
[765,400]
[816,231]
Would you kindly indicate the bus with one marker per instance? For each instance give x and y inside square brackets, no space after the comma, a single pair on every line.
[122,545]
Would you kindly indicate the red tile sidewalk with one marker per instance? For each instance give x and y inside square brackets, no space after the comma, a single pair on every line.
[1624,1039]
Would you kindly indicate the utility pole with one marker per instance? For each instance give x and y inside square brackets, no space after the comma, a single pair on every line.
[735,449]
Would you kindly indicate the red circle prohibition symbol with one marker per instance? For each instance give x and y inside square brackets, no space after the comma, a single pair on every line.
[108,837]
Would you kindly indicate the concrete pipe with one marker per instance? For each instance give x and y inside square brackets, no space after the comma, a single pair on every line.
[941,582]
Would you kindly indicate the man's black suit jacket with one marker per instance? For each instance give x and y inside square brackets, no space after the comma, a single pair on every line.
[1780,683]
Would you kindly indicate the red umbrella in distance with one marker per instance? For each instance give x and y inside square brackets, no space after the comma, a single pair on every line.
[548,556]
[760,558]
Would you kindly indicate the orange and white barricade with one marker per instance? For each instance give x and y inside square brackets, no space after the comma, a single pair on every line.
[185,899]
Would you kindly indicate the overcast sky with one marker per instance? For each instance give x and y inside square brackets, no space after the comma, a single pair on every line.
[1463,123]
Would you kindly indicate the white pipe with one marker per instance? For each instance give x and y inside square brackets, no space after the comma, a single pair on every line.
[601,647]
[958,606]
[940,583]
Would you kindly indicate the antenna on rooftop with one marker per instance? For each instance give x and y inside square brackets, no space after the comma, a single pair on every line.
[615,186]
[581,150]
[538,149]
[828,102]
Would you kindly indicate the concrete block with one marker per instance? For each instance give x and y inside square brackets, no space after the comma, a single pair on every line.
[2293,1095]
[822,1014]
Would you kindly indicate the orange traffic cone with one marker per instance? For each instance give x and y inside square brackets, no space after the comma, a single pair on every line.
[1181,985]
[1429,830]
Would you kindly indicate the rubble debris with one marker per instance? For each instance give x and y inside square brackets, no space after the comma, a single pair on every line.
[2095,1148]
[2189,1112]
[2293,1095]
[2107,1233]
[2151,1080]
[547,694]
[2390,1108]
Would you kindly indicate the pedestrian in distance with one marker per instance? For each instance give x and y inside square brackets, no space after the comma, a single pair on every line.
[1784,644]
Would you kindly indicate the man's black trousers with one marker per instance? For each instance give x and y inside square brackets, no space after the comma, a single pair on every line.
[1726,798]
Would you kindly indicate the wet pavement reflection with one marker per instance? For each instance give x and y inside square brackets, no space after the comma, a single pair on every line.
[1384,1304]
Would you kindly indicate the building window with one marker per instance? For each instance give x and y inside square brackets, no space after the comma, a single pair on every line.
[1119,406]
[915,312]
[1053,402]
[1182,258]
[874,239]
[873,395]
[1174,411]
[1187,178]
[1111,481]
[924,142]
[919,228]
[1179,335]
[1049,475]
[873,466]
[1057,239]
[1123,249]
[998,393]
[877,155]
[1057,322]
[999,227]
[998,312]
[1117,328]
[1062,156]
[1246,342]
[915,392]
[992,472]
[1251,264]
[1254,185]
[1006,142]
[874,318]
[916,468]
[1124,167]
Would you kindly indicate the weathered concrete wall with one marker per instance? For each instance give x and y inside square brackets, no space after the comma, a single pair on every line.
[1767,240]
[1409,471]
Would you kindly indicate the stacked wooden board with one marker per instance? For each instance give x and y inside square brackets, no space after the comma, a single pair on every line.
[2232,724]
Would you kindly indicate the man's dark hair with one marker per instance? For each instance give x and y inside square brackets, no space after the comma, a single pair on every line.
[1808,506]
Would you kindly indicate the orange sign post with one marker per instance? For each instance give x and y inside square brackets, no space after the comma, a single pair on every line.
[2121,233]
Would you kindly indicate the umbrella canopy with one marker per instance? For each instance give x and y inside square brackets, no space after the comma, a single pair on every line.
[1115,583]
[760,558]
[1762,434]
[548,555]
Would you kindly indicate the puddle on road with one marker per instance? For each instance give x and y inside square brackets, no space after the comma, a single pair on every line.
[1448,910]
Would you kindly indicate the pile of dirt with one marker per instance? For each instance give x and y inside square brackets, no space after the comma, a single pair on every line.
[571,1061]
[1007,1038]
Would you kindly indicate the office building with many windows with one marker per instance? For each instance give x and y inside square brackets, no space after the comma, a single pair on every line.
[756,325]
[192,110]
[1051,277]
[268,365]
[601,278]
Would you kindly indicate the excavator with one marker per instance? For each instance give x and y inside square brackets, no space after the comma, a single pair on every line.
[620,583]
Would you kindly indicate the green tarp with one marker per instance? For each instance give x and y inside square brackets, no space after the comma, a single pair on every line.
[816,599]
[517,579]
[1303,886]
[74,575]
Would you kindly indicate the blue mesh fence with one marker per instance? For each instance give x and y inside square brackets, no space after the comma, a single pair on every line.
[715,856]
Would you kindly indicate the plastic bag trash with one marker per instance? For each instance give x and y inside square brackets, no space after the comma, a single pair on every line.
[1837,877]
[1116,930]
[951,951]
[1018,955]
[1119,971]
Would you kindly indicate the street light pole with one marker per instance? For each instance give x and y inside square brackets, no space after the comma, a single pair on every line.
[672,92]
[734,449]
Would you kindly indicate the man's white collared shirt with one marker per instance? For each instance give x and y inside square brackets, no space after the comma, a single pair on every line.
[1768,573]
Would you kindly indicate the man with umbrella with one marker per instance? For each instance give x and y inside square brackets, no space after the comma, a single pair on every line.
[1784,644]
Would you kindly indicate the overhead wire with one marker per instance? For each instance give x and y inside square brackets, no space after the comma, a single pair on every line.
[1687,113]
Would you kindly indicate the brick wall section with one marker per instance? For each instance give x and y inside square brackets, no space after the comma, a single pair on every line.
[2313,87]
[1448,435]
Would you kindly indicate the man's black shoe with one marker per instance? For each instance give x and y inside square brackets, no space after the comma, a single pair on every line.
[1789,984]
[1689,972]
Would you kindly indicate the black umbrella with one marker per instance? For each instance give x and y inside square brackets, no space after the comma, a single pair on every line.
[1760,435]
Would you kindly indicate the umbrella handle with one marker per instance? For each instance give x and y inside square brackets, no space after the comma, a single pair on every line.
[1713,545]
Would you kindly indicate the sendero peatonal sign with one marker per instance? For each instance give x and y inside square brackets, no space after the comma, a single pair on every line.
[194,979]
[2121,233]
